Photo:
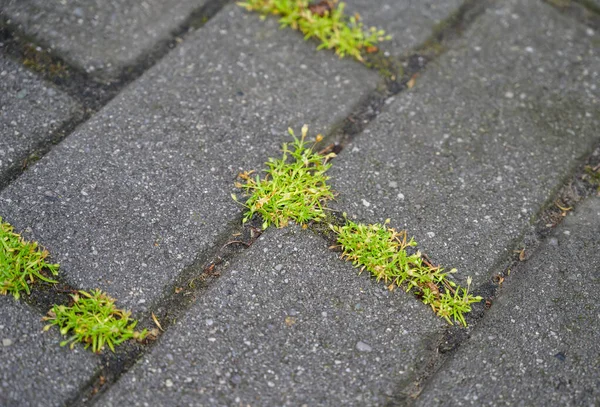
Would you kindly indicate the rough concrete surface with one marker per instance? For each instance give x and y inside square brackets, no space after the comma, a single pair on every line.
[467,157]
[409,22]
[30,112]
[288,324]
[100,37]
[34,369]
[130,198]
[539,343]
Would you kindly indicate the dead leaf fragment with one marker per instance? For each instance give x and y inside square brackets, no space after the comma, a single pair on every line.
[564,209]
[371,49]
[321,8]
[156,322]
[522,255]
[411,82]
[289,321]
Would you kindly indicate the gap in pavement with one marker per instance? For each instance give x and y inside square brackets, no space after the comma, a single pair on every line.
[77,83]
[400,72]
[584,11]
[572,191]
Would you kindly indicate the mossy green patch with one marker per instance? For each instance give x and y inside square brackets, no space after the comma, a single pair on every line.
[42,62]
[592,175]
[325,21]
[21,263]
[93,320]
[383,252]
[294,187]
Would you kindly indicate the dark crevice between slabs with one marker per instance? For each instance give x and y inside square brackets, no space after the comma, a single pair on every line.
[402,73]
[584,11]
[91,93]
[175,300]
[576,187]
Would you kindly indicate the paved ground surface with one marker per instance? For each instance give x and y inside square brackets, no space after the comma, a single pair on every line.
[471,130]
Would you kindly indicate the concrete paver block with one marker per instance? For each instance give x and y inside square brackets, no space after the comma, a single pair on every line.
[288,324]
[127,201]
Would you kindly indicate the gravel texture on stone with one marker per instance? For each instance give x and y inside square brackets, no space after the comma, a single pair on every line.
[34,369]
[129,199]
[466,158]
[101,37]
[538,345]
[288,323]
[409,22]
[30,113]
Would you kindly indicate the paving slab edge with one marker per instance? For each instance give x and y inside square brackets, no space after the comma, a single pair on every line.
[572,191]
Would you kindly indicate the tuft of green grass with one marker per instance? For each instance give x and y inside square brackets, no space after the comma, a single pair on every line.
[93,320]
[325,21]
[382,251]
[21,263]
[294,187]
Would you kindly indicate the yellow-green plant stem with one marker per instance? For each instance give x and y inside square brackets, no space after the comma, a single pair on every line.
[330,26]
[294,187]
[382,251]
[21,263]
[93,320]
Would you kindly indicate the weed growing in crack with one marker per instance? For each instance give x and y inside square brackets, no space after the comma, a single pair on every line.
[21,263]
[383,252]
[324,21]
[294,187]
[93,320]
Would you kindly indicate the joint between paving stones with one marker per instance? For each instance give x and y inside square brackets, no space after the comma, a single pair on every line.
[175,301]
[400,73]
[572,191]
[80,85]
[584,11]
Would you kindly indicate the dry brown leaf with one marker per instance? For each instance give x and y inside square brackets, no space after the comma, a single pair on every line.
[321,8]
[411,82]
[156,322]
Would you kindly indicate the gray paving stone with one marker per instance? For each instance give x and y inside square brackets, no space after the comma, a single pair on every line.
[129,200]
[595,3]
[30,112]
[539,343]
[289,323]
[409,22]
[467,157]
[98,36]
[34,369]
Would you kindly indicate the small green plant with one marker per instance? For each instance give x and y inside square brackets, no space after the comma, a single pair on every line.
[21,263]
[324,21]
[292,190]
[383,252]
[94,320]
[592,175]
